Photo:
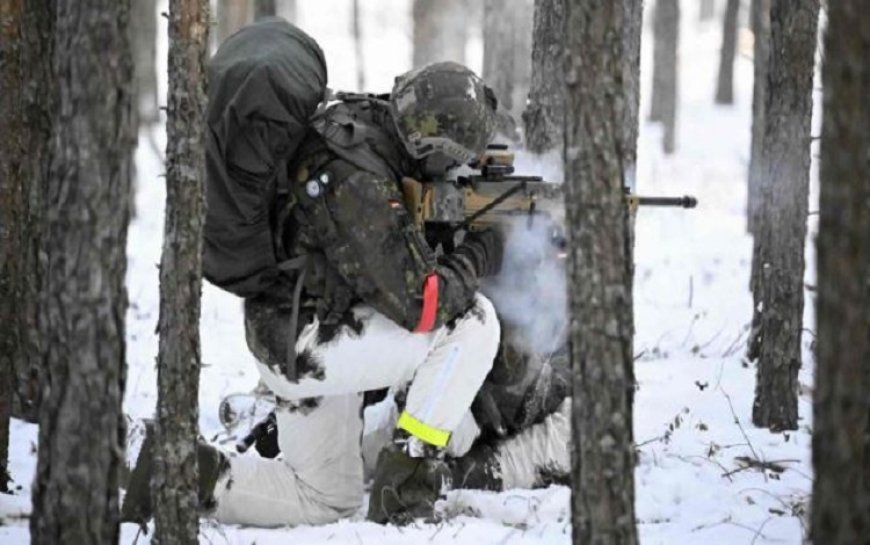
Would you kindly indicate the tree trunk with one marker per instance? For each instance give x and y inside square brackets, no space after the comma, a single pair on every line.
[760,22]
[507,51]
[174,485]
[25,77]
[663,105]
[264,8]
[707,10]
[725,82]
[81,426]
[841,412]
[597,51]
[287,10]
[544,116]
[358,48]
[779,290]
[144,27]
[233,15]
[439,31]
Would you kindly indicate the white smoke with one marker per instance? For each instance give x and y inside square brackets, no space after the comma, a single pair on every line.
[530,291]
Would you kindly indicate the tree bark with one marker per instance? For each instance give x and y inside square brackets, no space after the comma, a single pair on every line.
[778,289]
[663,105]
[544,116]
[600,269]
[174,484]
[760,22]
[25,103]
[233,15]
[144,27]
[81,426]
[841,410]
[264,8]
[507,51]
[439,31]
[725,82]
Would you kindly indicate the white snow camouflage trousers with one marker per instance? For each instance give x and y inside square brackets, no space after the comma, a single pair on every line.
[320,478]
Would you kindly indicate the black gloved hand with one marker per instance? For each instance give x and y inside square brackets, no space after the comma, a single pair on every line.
[485,250]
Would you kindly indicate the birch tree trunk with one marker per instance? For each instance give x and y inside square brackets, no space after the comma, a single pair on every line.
[507,51]
[841,410]
[174,484]
[598,48]
[25,117]
[760,18]
[144,27]
[666,37]
[81,426]
[779,290]
[725,81]
[544,116]
[439,31]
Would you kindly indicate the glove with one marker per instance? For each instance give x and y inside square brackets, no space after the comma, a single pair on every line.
[485,250]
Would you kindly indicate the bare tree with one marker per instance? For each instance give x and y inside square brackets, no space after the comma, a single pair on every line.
[81,426]
[841,415]
[233,15]
[707,9]
[778,289]
[760,22]
[599,50]
[144,29]
[287,10]
[666,37]
[25,117]
[545,114]
[725,81]
[439,31]
[174,483]
[264,8]
[358,48]
[507,51]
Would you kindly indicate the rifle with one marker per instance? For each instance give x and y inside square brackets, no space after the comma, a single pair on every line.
[488,193]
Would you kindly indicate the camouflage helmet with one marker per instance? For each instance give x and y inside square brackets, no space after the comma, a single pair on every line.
[443,107]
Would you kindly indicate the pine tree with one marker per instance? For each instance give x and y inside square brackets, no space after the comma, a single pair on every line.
[231,16]
[841,415]
[778,290]
[144,27]
[439,31]
[507,51]
[600,51]
[666,35]
[81,426]
[544,116]
[174,484]
[25,118]
[760,18]
[264,8]
[725,81]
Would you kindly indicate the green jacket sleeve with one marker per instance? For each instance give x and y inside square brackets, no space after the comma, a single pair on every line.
[384,257]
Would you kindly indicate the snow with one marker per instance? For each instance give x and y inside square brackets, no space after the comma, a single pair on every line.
[694,396]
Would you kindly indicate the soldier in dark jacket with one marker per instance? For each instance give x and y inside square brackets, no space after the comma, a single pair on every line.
[374,307]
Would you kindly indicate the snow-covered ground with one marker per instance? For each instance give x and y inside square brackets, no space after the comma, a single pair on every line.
[693,404]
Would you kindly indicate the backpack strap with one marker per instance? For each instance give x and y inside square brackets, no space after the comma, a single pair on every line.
[300,264]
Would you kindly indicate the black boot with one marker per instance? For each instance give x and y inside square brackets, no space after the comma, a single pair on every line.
[406,487]
[478,469]
[138,507]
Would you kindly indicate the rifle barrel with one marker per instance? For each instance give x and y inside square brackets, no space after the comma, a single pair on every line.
[686,201]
